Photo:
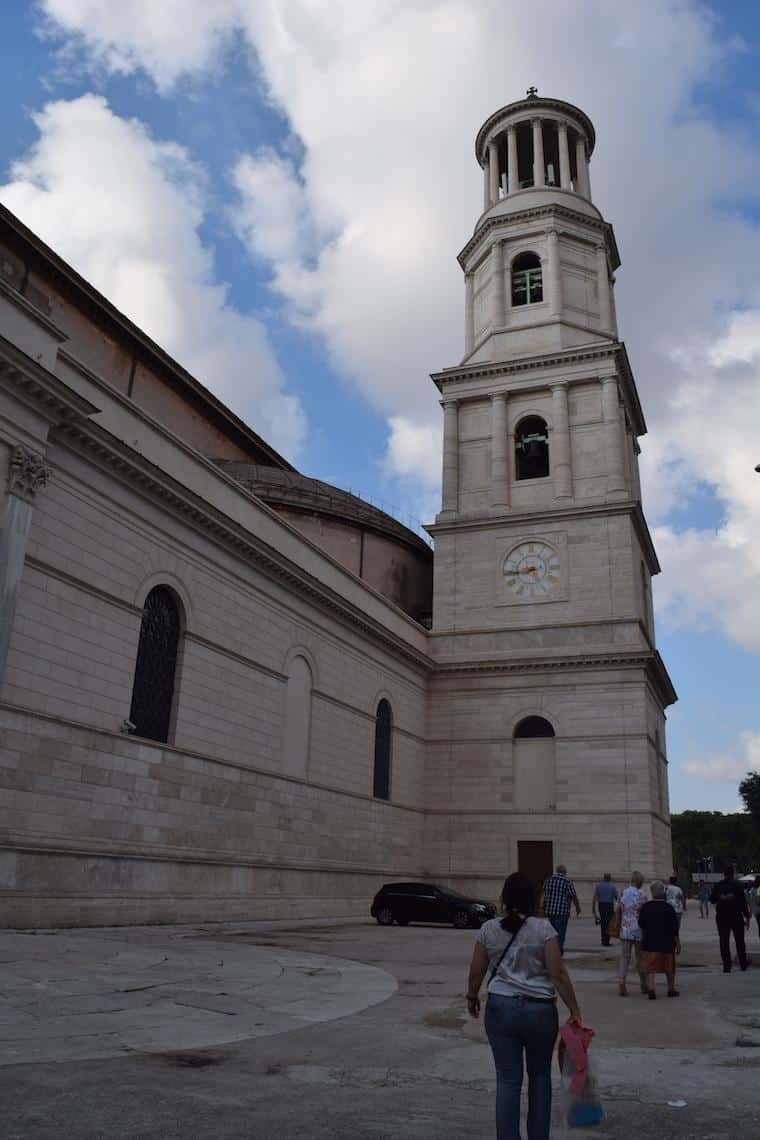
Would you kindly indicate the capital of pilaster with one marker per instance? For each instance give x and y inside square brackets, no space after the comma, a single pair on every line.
[558,385]
[562,125]
[27,473]
[536,122]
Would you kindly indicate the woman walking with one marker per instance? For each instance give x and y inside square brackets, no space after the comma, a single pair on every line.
[527,973]
[660,940]
[631,902]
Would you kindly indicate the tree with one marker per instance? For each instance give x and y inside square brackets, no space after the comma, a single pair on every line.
[726,838]
[749,790]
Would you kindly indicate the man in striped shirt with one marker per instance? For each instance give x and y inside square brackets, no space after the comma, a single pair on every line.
[556,898]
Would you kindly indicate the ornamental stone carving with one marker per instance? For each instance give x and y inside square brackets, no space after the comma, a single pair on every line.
[28,473]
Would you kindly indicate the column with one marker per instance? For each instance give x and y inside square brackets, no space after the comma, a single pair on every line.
[450,488]
[27,474]
[559,443]
[493,172]
[539,169]
[499,451]
[498,298]
[605,289]
[486,185]
[583,185]
[554,283]
[613,438]
[564,157]
[469,313]
[513,170]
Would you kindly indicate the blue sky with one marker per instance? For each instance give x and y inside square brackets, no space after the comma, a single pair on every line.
[302,175]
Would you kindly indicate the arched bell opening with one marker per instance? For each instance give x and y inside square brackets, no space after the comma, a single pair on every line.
[532,448]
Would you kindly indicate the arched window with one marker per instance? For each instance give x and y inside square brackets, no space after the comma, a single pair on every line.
[527,279]
[533,727]
[535,776]
[532,449]
[381,784]
[153,690]
[297,722]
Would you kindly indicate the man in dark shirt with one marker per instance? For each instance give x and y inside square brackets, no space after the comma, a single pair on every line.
[659,940]
[731,917]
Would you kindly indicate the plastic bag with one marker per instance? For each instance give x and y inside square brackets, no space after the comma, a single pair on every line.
[579,1100]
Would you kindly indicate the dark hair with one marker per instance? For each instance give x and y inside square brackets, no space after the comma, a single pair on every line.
[674,880]
[517,901]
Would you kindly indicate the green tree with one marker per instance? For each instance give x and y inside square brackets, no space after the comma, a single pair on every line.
[726,838]
[749,790]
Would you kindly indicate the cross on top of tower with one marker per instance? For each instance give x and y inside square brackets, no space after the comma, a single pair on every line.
[532,92]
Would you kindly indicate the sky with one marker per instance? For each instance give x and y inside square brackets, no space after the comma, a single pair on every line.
[276,191]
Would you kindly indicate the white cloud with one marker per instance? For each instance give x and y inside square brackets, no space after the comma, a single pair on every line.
[125,210]
[725,765]
[386,99]
[168,39]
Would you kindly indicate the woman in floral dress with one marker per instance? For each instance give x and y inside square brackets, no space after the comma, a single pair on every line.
[631,901]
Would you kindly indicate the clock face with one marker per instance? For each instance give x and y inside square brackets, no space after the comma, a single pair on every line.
[531,570]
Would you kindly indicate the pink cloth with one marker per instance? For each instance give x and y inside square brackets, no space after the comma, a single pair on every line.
[575,1039]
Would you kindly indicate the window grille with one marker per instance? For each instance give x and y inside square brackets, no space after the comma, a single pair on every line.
[153,689]
[381,788]
[527,280]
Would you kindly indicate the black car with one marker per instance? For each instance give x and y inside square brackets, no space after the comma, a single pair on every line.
[422,902]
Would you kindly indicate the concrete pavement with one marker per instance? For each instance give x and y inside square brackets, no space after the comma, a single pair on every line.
[412,1065]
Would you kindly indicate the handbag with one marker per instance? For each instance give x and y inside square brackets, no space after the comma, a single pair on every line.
[613,930]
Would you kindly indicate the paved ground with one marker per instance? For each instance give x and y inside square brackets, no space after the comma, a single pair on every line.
[338,1031]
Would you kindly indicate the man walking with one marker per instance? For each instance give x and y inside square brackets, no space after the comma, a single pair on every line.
[674,895]
[603,905]
[557,895]
[731,917]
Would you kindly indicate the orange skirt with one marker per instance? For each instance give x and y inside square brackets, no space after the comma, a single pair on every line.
[653,962]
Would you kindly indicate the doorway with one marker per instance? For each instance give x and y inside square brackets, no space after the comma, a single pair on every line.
[535,858]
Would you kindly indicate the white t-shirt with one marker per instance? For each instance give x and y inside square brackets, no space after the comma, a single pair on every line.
[523,969]
[674,896]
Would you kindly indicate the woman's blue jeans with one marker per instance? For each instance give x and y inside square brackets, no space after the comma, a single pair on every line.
[514,1025]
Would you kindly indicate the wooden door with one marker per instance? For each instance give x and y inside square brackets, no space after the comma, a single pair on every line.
[535,858]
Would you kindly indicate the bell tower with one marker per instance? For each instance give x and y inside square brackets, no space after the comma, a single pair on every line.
[548,682]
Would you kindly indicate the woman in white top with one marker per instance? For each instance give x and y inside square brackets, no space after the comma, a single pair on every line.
[630,903]
[527,973]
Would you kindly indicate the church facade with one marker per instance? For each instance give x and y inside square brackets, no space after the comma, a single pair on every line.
[230,691]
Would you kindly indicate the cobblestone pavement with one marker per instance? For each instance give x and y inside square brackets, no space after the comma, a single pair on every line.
[292,1037]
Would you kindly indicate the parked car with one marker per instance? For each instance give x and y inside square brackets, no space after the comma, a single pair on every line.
[422,902]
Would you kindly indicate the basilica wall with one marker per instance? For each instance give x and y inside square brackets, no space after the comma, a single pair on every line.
[261,803]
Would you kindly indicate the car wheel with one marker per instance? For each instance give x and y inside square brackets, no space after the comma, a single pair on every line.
[385,916]
[402,921]
[461,919]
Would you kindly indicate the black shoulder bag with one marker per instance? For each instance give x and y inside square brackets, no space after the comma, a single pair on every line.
[504,952]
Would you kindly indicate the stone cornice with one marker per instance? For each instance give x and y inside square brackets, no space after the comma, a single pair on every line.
[104,449]
[557,514]
[650,662]
[35,253]
[537,213]
[40,318]
[38,388]
[615,351]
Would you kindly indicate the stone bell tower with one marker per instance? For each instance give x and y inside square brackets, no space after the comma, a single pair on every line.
[548,738]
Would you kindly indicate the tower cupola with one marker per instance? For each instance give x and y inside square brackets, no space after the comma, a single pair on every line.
[535,144]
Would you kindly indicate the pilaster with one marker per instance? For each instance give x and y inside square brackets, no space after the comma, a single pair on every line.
[27,476]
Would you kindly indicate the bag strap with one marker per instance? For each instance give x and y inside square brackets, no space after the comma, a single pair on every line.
[504,952]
